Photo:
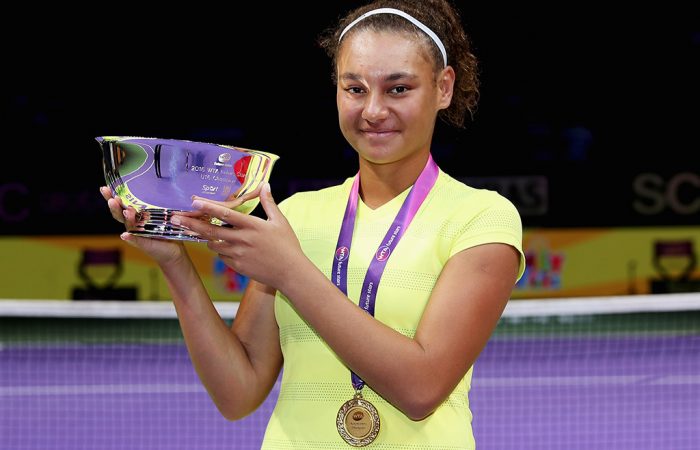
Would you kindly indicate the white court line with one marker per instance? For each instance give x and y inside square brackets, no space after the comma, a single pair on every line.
[102,309]
[556,381]
[603,380]
[670,380]
[32,391]
[677,379]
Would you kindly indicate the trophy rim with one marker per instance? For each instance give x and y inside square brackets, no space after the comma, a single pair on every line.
[109,138]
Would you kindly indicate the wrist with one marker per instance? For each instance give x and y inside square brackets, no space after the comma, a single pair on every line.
[300,277]
[176,260]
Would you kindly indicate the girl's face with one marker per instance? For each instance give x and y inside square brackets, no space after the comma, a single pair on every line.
[388,95]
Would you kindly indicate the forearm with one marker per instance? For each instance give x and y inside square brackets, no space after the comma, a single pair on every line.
[216,353]
[391,363]
[414,374]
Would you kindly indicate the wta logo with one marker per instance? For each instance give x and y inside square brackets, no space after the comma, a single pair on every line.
[383,253]
[341,254]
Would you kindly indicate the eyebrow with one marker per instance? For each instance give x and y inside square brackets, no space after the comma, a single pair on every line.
[350,76]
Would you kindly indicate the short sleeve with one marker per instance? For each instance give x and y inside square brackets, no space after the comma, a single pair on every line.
[498,222]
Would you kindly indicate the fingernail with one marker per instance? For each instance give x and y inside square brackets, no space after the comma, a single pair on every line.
[124,236]
[197,204]
[175,220]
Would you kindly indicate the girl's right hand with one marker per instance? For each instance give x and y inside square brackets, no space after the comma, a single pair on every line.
[163,251]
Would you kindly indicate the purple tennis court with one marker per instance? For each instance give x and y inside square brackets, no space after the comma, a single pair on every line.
[605,382]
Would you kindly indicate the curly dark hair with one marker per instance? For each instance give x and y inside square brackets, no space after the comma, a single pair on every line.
[444,20]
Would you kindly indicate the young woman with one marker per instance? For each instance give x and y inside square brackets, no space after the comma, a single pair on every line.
[378,294]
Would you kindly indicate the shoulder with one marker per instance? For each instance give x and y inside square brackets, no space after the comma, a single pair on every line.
[317,202]
[468,201]
[480,216]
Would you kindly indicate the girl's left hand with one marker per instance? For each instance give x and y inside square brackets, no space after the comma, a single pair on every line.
[265,250]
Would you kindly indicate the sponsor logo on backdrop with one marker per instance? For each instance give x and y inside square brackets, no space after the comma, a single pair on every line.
[655,194]
[228,279]
[543,268]
[529,194]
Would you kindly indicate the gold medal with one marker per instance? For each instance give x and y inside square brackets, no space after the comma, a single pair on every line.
[358,421]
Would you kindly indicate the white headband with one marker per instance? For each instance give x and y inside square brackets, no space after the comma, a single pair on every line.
[408,17]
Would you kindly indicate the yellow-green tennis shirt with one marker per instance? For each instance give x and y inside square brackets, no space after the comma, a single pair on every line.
[315,383]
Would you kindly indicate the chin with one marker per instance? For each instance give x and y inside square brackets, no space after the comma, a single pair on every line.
[382,156]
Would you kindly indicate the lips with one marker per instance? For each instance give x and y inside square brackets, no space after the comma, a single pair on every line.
[378,133]
[377,130]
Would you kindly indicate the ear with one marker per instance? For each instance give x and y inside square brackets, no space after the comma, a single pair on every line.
[445,85]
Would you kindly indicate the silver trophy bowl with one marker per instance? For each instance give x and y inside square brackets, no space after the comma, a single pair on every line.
[158,178]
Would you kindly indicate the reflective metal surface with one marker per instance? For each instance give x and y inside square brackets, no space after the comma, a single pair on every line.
[158,177]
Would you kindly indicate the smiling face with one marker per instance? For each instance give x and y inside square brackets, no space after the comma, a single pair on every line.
[388,95]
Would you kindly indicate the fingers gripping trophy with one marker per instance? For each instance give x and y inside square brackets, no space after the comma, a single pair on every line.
[160,177]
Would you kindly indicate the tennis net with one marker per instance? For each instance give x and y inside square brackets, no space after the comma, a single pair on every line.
[603,373]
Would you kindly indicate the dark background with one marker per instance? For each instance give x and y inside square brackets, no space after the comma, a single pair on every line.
[587,117]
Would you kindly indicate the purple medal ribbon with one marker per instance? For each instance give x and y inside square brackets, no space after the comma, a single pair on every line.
[408,210]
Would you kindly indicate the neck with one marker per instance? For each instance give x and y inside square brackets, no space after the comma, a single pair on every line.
[379,183]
